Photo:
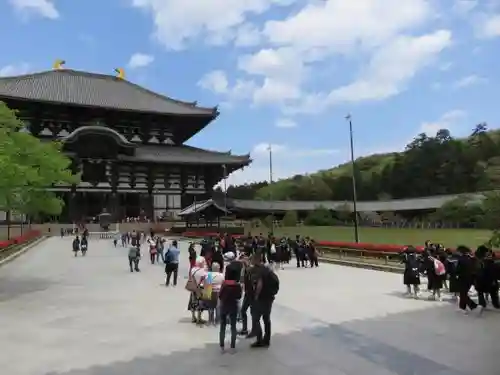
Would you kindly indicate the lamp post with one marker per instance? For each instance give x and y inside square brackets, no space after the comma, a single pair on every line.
[225,189]
[270,183]
[353,167]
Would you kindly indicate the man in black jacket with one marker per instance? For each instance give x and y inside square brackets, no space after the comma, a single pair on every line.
[262,303]
[466,272]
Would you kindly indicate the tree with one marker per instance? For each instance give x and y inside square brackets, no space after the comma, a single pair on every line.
[491,211]
[462,210]
[319,217]
[290,219]
[28,167]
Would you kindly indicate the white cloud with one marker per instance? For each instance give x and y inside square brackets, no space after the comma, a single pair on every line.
[43,8]
[446,121]
[392,66]
[247,35]
[15,70]
[468,81]
[178,22]
[215,81]
[324,30]
[488,26]
[282,168]
[463,7]
[140,60]
[286,123]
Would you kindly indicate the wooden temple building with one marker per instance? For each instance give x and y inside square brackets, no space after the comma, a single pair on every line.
[128,142]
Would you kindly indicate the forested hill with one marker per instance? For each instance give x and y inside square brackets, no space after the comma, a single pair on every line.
[429,166]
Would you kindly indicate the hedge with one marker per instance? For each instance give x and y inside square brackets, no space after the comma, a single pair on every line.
[19,240]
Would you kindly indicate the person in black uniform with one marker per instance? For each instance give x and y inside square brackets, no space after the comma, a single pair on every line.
[466,269]
[411,275]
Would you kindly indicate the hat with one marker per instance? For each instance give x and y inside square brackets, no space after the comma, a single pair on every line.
[229,256]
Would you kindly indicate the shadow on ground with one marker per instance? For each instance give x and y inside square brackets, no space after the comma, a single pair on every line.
[14,287]
[404,344]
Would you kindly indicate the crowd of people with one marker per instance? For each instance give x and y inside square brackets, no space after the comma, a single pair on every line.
[456,272]
[228,279]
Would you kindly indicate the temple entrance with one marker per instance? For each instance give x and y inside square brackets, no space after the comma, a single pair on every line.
[90,204]
[130,205]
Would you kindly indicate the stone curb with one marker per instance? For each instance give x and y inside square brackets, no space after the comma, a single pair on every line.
[370,266]
[22,250]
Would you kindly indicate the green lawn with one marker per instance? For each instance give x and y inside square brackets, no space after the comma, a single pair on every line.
[447,237]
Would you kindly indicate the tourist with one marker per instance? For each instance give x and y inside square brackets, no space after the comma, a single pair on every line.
[466,268]
[192,255]
[152,250]
[218,257]
[76,245]
[134,256]
[411,275]
[248,297]
[312,253]
[171,259]
[265,287]
[160,246]
[196,277]
[435,272]
[229,296]
[84,245]
[486,282]
[213,283]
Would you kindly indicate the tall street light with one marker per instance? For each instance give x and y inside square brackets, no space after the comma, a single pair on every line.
[270,183]
[224,167]
[353,166]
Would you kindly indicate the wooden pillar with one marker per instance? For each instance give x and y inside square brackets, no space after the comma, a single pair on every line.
[183,188]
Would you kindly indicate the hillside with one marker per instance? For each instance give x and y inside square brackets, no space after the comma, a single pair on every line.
[430,166]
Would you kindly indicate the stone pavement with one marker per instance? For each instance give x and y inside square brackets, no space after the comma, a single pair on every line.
[80,316]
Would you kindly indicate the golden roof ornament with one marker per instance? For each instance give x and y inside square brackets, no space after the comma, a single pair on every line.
[120,73]
[58,64]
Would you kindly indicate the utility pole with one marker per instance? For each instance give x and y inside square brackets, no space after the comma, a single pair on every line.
[225,189]
[270,183]
[353,167]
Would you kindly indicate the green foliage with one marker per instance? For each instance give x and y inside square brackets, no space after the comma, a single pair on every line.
[290,219]
[268,221]
[464,210]
[319,217]
[494,241]
[27,167]
[429,166]
[491,211]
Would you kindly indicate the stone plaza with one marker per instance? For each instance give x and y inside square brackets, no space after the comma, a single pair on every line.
[61,315]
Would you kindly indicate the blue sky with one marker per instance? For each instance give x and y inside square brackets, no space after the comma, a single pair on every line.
[284,72]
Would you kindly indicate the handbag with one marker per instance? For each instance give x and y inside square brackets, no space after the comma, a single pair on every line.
[191,284]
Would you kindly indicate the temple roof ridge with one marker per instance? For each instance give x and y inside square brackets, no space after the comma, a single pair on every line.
[120,93]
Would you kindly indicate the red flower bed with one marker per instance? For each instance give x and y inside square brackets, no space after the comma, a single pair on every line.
[384,248]
[19,240]
[198,234]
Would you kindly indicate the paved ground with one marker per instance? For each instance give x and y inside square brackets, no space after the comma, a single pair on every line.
[67,316]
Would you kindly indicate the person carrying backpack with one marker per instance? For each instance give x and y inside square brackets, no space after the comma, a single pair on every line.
[265,288]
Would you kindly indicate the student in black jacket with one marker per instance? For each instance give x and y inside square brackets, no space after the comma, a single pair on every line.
[466,275]
[229,296]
